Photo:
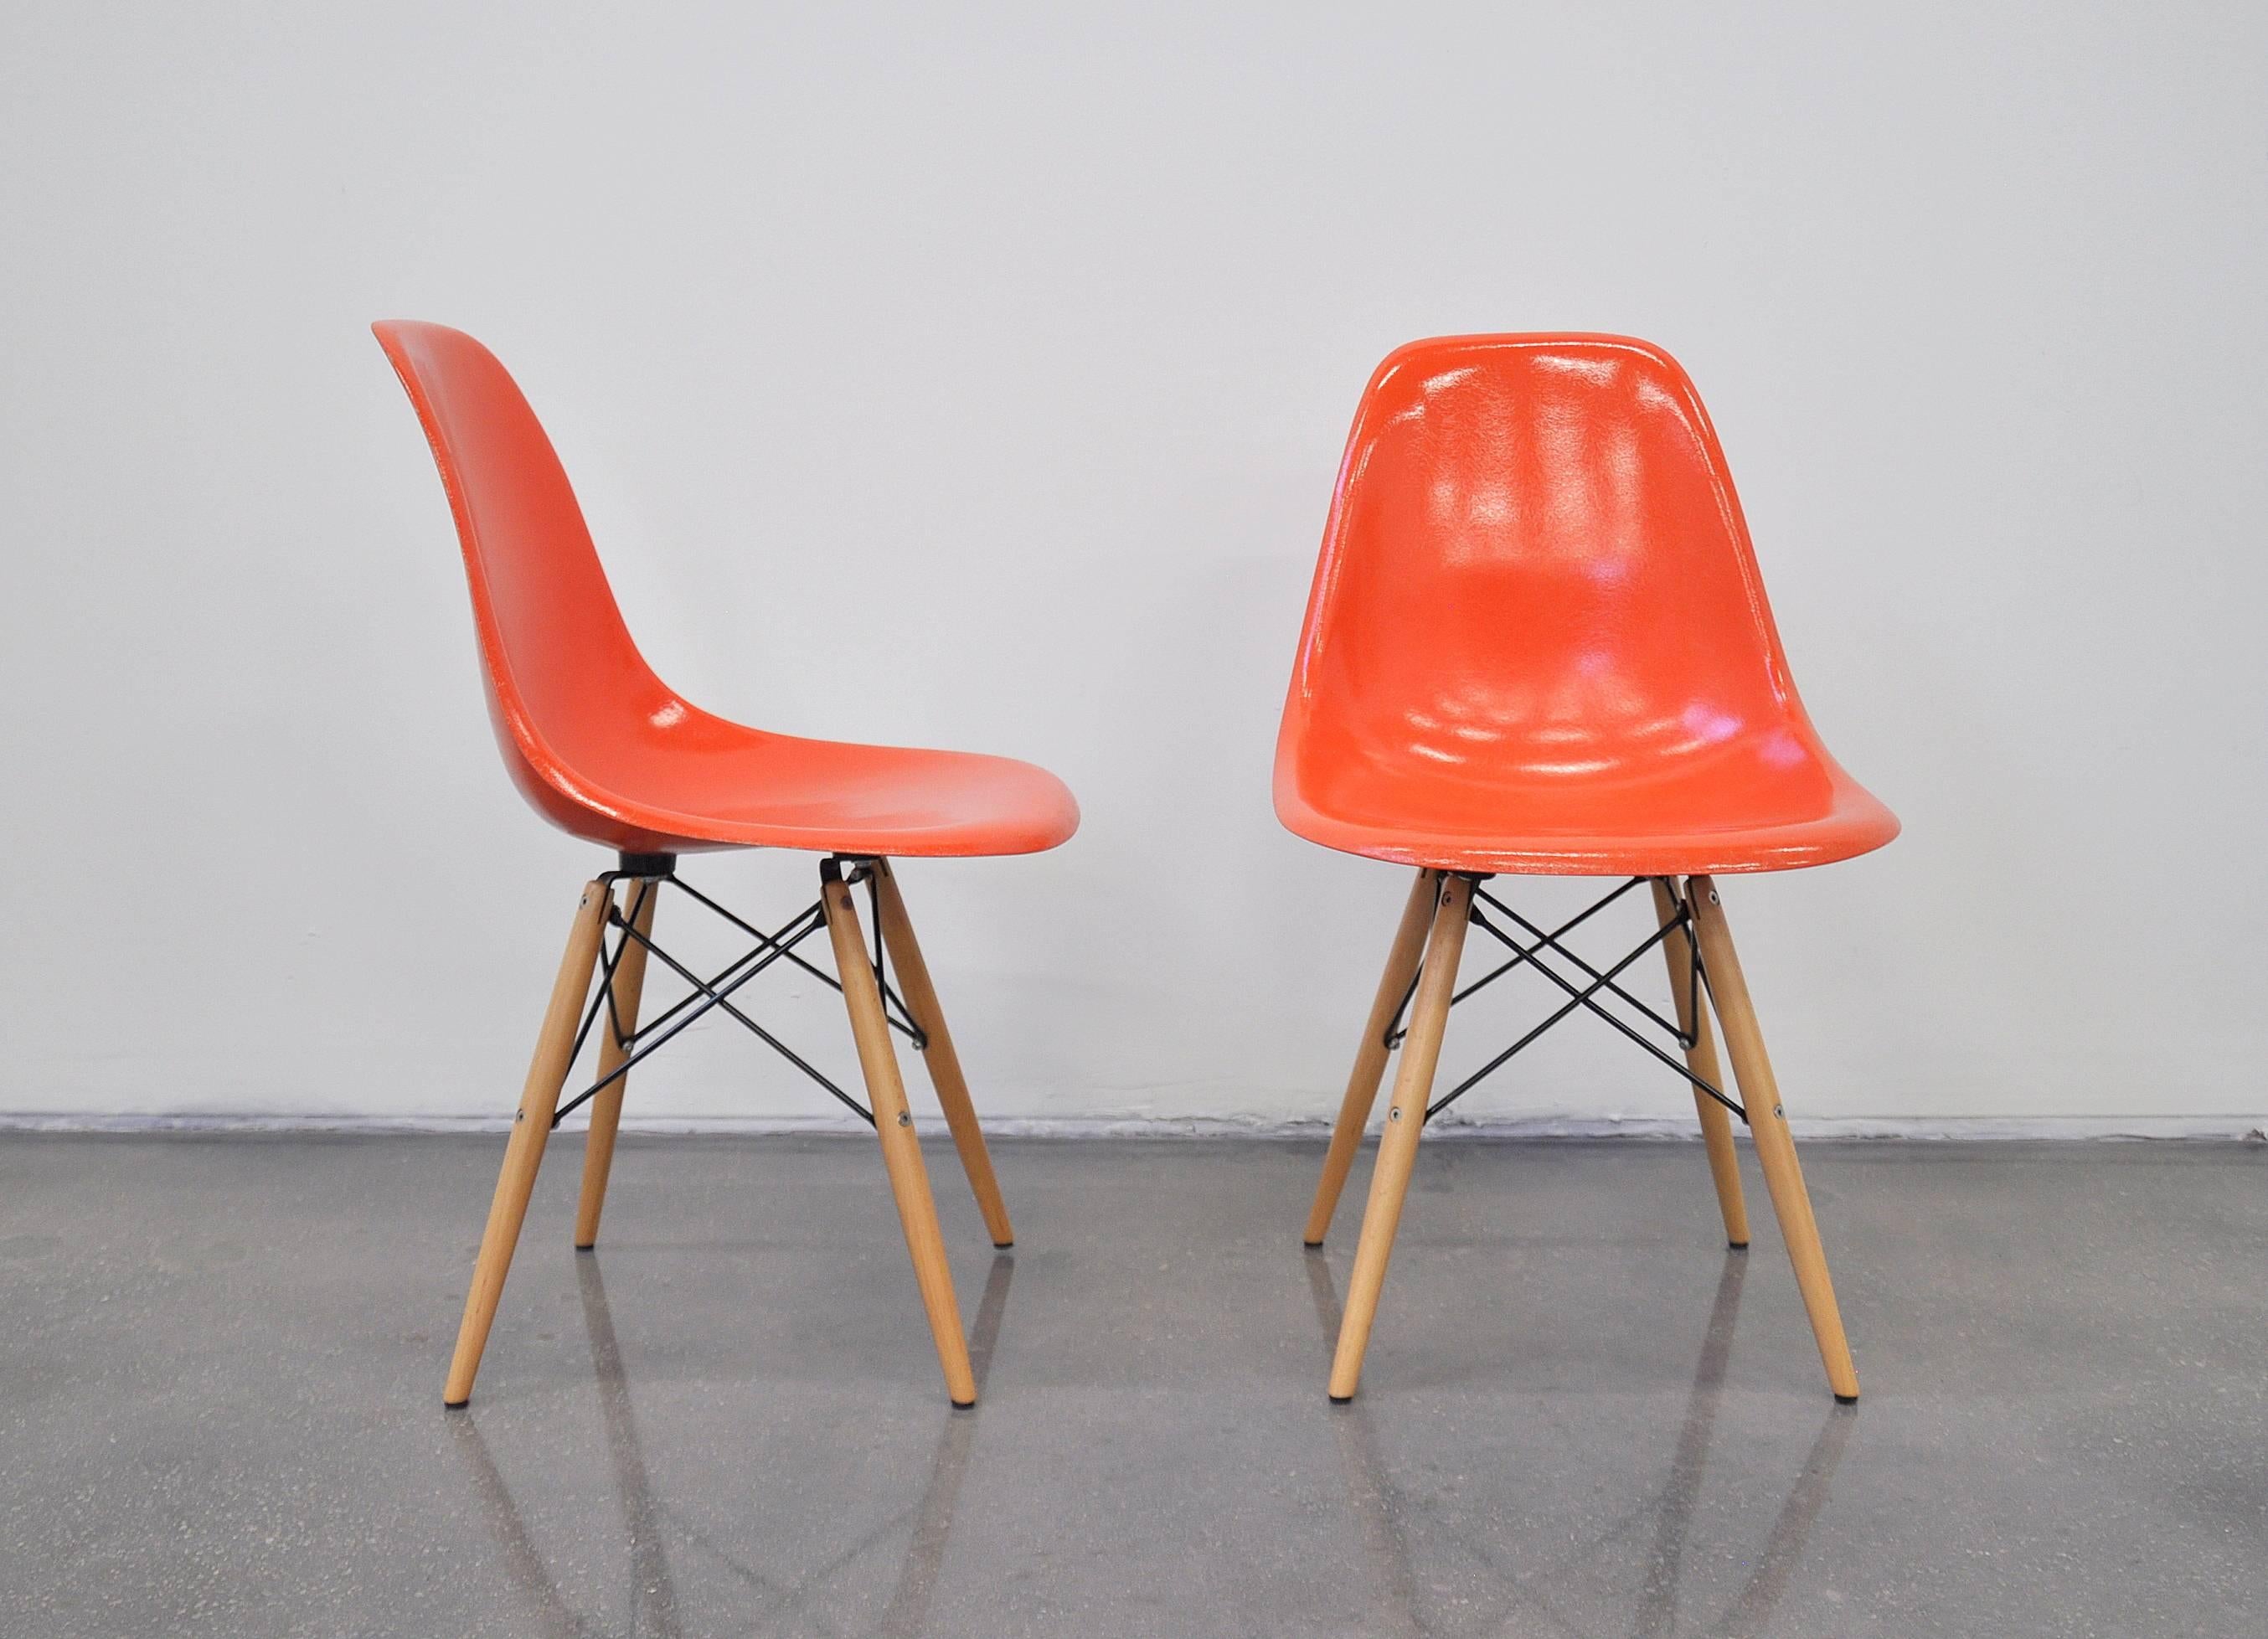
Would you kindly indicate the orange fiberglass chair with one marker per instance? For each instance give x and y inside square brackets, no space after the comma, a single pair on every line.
[605,750]
[1537,645]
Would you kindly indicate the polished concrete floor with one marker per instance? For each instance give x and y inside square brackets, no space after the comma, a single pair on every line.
[221,1358]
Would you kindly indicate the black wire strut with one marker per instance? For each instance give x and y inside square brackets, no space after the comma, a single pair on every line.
[1396,1031]
[1580,996]
[715,993]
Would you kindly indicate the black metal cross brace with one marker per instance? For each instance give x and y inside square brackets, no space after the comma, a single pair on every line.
[716,991]
[1580,996]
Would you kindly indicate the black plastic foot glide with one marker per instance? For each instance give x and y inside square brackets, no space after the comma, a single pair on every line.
[1342,1400]
[1847,1400]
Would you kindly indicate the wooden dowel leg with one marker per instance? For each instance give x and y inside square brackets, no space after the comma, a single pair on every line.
[539,1098]
[944,1063]
[1405,1119]
[640,897]
[894,1125]
[1370,1058]
[1768,1130]
[1701,1058]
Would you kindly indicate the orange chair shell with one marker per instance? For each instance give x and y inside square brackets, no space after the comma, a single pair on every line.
[1537,641]
[598,744]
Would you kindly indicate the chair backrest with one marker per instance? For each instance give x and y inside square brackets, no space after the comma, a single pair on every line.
[565,682]
[1535,564]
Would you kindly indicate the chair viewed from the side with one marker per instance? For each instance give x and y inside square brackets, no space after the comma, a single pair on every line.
[1537,645]
[605,750]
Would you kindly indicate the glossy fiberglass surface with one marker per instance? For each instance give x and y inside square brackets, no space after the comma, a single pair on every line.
[1537,639]
[599,744]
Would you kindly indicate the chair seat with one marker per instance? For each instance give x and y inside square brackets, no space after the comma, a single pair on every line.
[1776,806]
[696,783]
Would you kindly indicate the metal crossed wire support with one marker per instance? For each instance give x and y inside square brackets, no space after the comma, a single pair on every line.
[1580,996]
[715,992]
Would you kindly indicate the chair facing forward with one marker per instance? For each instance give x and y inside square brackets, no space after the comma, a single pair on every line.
[1537,645]
[605,750]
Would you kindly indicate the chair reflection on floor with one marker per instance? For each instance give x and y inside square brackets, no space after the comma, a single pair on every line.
[907,1611]
[653,1596]
[1386,1514]
[531,1577]
[1378,1516]
[654,1600]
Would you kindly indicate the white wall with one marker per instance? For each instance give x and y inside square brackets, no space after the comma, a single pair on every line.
[981,383]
